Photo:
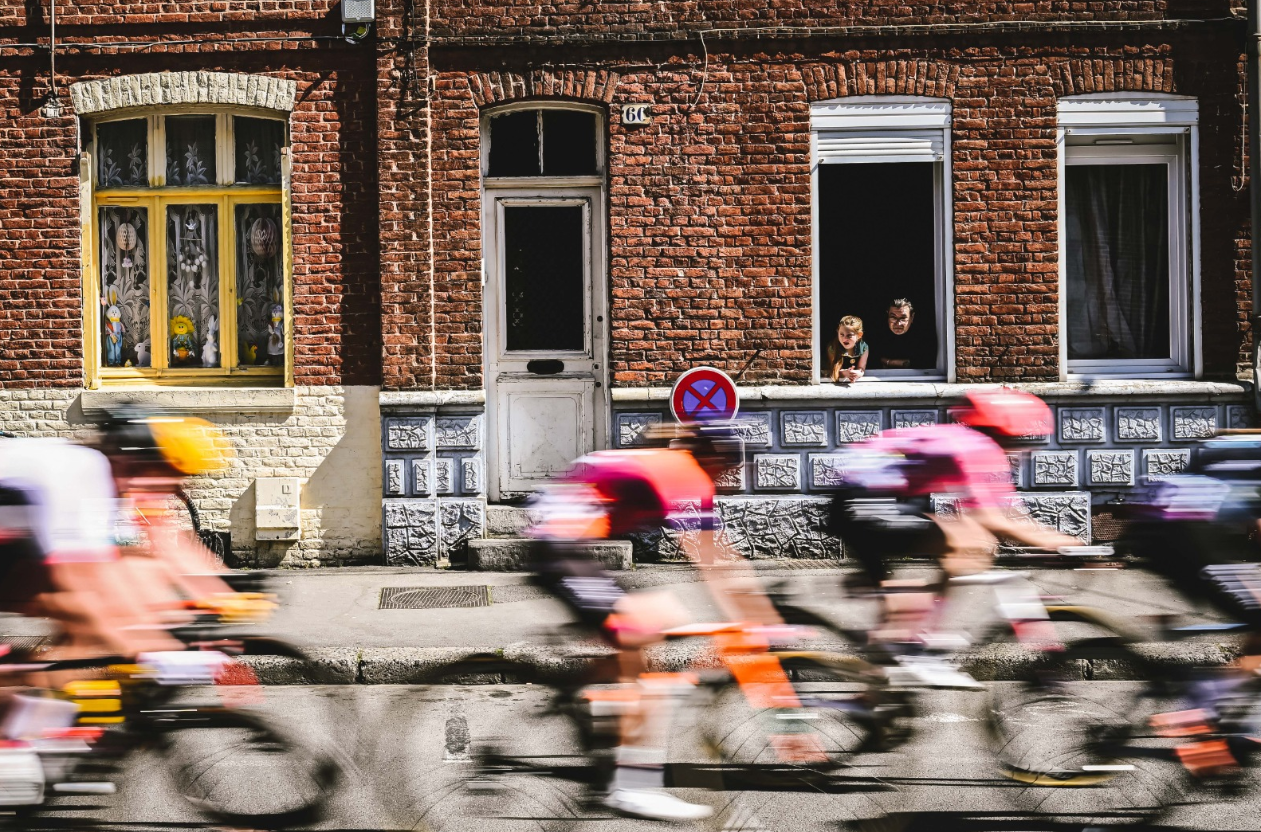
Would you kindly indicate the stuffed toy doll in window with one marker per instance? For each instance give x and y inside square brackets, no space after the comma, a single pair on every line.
[183,344]
[276,333]
[114,330]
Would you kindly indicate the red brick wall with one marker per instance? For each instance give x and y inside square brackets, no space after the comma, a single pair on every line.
[333,128]
[709,206]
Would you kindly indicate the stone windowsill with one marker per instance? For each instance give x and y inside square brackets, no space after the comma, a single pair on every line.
[192,400]
[399,400]
[875,392]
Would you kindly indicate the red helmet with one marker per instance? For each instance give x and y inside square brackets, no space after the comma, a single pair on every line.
[1006,412]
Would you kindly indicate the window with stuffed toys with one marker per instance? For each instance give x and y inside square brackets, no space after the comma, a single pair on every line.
[187,266]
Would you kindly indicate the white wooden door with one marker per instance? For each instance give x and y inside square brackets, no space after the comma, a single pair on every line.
[545,333]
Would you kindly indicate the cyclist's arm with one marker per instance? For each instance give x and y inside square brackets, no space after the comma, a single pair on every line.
[1030,533]
[736,589]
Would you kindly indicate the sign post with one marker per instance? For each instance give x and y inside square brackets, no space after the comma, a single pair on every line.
[704,394]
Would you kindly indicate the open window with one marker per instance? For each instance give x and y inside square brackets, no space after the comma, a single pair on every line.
[882,217]
[186,270]
[1128,263]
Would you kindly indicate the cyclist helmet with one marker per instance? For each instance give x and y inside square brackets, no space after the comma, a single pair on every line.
[714,444]
[1005,414]
[160,446]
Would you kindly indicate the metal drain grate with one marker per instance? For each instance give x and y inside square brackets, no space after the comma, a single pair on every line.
[23,643]
[433,597]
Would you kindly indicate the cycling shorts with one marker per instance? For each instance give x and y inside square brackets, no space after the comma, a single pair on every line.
[577,581]
[876,529]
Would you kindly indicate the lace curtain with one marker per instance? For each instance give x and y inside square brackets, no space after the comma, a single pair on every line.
[192,293]
[125,340]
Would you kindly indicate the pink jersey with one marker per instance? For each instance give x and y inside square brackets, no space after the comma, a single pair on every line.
[933,459]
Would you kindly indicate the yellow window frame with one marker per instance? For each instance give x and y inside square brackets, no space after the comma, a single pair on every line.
[156,199]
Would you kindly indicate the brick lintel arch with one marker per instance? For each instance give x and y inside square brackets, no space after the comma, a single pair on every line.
[933,79]
[491,88]
[1139,74]
[155,89]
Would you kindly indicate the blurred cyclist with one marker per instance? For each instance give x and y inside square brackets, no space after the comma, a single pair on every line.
[610,494]
[882,511]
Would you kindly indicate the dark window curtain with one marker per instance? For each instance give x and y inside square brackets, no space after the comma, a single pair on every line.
[1117,265]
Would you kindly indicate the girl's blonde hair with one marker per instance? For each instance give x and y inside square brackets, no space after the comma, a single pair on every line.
[851,322]
[835,350]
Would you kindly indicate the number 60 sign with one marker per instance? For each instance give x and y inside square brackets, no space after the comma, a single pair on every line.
[636,113]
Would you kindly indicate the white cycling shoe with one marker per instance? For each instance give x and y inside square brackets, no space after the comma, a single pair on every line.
[655,804]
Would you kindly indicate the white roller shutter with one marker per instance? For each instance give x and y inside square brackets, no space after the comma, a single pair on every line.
[867,146]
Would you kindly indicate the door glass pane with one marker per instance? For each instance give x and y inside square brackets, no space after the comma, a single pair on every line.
[544,277]
[124,287]
[260,311]
[122,154]
[192,285]
[258,143]
[514,144]
[568,143]
[1117,261]
[190,150]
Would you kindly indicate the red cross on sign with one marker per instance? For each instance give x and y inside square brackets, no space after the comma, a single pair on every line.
[704,394]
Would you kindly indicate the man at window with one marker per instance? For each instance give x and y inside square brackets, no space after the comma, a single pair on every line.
[903,346]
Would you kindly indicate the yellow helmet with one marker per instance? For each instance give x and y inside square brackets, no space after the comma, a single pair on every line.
[191,445]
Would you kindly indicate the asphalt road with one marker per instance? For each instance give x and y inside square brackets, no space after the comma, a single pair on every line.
[406,752]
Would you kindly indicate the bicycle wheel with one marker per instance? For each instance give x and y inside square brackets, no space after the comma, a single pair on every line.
[236,766]
[844,711]
[1074,745]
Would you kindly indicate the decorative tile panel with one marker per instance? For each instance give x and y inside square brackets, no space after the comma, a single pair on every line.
[394,477]
[776,527]
[411,532]
[826,470]
[1238,416]
[1067,511]
[422,477]
[777,472]
[413,434]
[1017,469]
[754,428]
[1081,424]
[1111,467]
[914,418]
[1055,468]
[1162,463]
[444,475]
[1193,422]
[459,432]
[462,520]
[471,475]
[1138,424]
[803,427]
[855,426]
[631,428]
[732,479]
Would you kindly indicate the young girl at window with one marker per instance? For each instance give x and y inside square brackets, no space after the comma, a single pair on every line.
[847,353]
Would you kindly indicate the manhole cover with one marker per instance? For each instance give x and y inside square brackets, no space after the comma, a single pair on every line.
[433,597]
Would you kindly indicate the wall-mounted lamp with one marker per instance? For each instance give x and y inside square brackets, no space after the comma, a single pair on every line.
[357,18]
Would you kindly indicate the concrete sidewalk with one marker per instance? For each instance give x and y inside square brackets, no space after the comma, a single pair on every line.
[337,615]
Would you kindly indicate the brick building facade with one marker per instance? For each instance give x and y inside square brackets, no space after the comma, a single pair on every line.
[507,227]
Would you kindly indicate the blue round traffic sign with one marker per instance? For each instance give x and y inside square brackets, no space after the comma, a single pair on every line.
[704,394]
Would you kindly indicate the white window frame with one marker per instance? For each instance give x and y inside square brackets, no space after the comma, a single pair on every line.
[1113,119]
[873,129]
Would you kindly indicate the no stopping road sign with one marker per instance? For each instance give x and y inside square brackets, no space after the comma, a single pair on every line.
[704,394]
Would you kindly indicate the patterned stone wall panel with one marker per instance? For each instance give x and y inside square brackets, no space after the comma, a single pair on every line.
[754,428]
[1115,468]
[1054,469]
[857,425]
[1069,511]
[1238,416]
[777,472]
[410,434]
[1190,423]
[913,418]
[471,475]
[411,532]
[1139,424]
[458,432]
[1082,424]
[1162,463]
[733,479]
[444,475]
[803,428]
[461,521]
[1017,462]
[631,428]
[787,527]
[826,470]
[393,482]
[422,477]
